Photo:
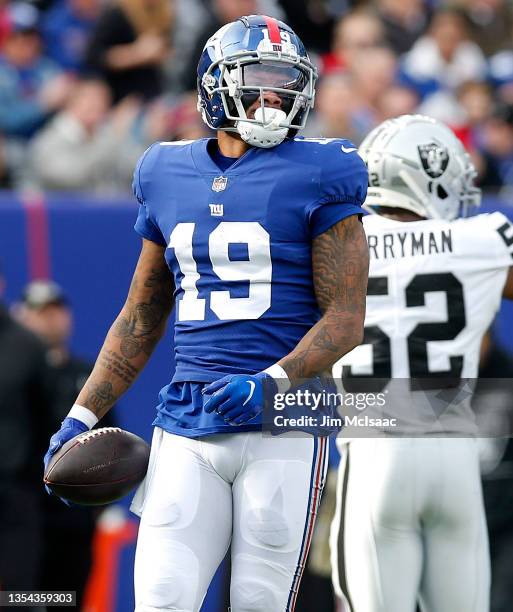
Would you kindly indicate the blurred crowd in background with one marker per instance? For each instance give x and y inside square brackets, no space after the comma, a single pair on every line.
[87,85]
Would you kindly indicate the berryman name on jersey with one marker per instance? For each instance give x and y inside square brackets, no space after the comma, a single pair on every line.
[409,243]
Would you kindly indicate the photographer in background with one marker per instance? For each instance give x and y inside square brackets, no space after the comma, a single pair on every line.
[45,310]
[26,418]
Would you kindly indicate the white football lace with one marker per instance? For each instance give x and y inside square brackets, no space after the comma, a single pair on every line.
[94,433]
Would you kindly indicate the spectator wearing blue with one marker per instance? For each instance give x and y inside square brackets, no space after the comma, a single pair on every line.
[31,85]
[66,29]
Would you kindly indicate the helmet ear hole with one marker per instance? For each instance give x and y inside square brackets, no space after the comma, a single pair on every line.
[441,193]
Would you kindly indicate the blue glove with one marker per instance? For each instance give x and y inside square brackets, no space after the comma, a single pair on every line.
[237,397]
[69,429]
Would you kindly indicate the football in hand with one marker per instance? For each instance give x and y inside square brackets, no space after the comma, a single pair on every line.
[98,467]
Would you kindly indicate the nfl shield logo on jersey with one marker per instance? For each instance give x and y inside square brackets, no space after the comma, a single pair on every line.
[434,158]
[219,183]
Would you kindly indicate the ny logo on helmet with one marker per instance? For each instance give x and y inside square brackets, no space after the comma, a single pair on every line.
[434,158]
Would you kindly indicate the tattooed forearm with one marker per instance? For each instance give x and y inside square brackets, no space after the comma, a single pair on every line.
[134,334]
[158,277]
[144,317]
[137,329]
[118,365]
[100,398]
[340,262]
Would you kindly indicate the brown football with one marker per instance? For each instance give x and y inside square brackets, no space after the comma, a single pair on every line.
[98,467]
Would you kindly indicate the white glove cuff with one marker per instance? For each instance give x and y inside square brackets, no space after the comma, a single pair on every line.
[280,377]
[81,413]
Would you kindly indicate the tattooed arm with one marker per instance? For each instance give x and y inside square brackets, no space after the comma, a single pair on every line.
[340,261]
[134,334]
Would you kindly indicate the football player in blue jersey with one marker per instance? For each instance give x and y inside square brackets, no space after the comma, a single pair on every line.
[256,236]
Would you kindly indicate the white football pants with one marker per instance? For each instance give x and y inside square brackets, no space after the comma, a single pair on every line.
[410,526]
[258,493]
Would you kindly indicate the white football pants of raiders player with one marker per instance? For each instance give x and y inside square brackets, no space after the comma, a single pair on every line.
[410,526]
[258,493]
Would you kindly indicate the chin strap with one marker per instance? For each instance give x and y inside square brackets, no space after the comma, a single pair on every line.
[264,135]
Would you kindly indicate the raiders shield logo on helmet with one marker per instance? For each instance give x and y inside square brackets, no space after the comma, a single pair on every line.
[434,158]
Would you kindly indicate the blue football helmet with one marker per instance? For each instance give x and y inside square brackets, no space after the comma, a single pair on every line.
[243,60]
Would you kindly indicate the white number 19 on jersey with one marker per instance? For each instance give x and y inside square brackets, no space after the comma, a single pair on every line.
[256,271]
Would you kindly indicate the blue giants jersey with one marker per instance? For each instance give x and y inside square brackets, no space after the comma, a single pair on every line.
[239,247]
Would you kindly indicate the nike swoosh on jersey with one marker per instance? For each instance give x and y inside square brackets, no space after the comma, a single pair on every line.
[347,149]
[253,386]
